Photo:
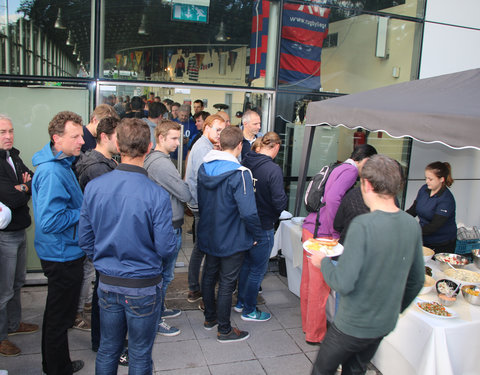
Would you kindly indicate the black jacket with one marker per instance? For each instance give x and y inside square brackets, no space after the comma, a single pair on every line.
[92,164]
[16,200]
[269,190]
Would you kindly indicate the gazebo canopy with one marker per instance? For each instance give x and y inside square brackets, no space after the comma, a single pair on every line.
[444,109]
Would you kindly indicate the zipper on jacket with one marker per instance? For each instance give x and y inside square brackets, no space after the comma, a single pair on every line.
[74,231]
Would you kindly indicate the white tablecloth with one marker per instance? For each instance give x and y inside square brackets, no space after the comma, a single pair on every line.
[426,345]
[288,238]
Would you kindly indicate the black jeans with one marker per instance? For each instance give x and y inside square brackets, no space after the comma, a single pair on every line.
[95,322]
[352,353]
[195,260]
[64,284]
[225,270]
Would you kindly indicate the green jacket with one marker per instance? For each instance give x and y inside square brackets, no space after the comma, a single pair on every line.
[379,274]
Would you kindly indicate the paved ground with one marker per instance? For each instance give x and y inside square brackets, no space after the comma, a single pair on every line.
[275,347]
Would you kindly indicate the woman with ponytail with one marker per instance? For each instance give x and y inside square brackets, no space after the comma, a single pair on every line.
[435,208]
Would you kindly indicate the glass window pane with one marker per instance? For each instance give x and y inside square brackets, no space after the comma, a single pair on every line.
[359,51]
[165,42]
[45,38]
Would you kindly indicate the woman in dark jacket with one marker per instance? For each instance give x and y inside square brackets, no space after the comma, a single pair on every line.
[271,201]
[435,208]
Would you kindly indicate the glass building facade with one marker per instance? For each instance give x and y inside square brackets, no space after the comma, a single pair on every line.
[271,56]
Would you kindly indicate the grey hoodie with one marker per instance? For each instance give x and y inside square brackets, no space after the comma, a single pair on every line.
[162,171]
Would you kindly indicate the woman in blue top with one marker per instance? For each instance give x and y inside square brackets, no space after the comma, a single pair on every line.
[435,208]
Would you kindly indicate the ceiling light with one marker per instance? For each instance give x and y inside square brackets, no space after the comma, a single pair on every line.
[59,21]
[220,37]
[69,39]
[142,30]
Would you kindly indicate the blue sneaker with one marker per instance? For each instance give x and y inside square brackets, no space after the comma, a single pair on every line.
[171,313]
[165,330]
[256,316]
[238,307]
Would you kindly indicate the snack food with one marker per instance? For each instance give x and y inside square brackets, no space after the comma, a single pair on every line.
[329,247]
[433,308]
[463,275]
[475,293]
[428,271]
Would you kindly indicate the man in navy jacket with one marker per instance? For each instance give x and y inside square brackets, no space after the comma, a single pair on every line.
[229,226]
[126,228]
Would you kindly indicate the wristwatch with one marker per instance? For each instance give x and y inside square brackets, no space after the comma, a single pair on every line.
[23,188]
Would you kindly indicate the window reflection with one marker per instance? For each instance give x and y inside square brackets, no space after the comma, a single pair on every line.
[45,38]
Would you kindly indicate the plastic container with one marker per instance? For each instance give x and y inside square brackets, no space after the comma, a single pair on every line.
[466,246]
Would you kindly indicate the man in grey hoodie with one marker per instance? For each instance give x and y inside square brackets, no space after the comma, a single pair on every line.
[213,126]
[161,169]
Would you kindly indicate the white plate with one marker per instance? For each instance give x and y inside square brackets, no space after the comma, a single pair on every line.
[453,313]
[337,249]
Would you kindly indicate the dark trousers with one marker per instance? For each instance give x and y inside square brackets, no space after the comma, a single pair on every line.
[195,260]
[64,284]
[226,271]
[352,353]
[95,322]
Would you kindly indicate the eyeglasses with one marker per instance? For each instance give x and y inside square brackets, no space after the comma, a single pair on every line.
[216,129]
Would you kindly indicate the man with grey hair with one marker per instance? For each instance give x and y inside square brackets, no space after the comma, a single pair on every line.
[15,192]
[383,245]
[251,130]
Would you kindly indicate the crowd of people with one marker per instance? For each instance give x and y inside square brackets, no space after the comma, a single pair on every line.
[93,224]
[109,206]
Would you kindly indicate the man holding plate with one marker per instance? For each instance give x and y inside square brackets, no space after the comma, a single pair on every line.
[378,276]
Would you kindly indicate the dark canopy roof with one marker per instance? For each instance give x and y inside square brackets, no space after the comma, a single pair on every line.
[444,109]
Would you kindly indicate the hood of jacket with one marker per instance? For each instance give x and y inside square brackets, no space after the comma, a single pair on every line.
[46,154]
[88,159]
[252,160]
[219,165]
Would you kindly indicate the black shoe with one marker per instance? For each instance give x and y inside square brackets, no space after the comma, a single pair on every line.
[210,325]
[77,365]
[234,335]
[313,343]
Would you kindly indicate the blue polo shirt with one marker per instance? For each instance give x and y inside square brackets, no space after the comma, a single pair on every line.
[190,131]
[442,203]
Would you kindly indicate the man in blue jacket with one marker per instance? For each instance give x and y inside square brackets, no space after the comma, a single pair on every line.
[57,199]
[126,228]
[228,227]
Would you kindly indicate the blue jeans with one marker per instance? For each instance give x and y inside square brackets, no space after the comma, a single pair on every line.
[253,271]
[13,259]
[352,353]
[119,313]
[168,264]
[225,270]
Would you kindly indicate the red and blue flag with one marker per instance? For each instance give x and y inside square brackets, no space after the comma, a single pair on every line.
[259,39]
[304,29]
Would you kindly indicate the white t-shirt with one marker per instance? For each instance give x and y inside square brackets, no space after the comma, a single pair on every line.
[5,216]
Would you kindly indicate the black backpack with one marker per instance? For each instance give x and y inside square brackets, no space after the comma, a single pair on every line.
[316,188]
[315,192]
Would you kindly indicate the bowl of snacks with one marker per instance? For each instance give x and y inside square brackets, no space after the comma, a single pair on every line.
[447,291]
[456,260]
[427,254]
[427,285]
[471,293]
[476,257]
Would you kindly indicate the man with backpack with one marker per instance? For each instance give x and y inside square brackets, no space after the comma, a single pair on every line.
[314,291]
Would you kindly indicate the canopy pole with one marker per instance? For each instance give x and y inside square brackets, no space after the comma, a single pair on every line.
[302,172]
